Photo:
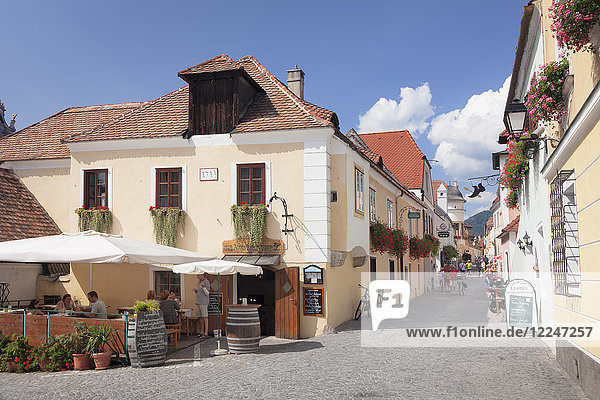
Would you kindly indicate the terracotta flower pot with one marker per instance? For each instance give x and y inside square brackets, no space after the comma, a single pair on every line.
[11,366]
[102,360]
[81,362]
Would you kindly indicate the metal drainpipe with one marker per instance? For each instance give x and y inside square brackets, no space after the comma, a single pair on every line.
[47,325]
[24,321]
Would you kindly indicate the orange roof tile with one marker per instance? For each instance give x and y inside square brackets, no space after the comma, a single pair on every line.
[513,226]
[400,154]
[216,64]
[42,140]
[277,108]
[21,216]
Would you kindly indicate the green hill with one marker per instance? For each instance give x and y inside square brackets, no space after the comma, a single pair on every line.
[478,221]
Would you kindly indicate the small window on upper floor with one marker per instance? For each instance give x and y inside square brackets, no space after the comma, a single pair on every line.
[251,184]
[168,187]
[96,188]
[359,188]
[372,205]
[390,213]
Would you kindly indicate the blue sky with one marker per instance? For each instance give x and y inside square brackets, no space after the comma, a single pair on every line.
[451,58]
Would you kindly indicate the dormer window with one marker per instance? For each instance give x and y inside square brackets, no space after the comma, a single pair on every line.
[220,93]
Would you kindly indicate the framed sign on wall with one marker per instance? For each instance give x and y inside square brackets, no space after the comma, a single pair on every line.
[313,274]
[209,174]
[313,301]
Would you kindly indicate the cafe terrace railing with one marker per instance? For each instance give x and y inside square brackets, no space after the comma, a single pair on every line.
[39,327]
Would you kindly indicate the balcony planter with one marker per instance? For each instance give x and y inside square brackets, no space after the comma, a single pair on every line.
[97,219]
[572,22]
[249,222]
[545,99]
[387,240]
[419,248]
[167,221]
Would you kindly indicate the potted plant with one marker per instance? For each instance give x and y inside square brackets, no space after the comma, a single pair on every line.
[79,341]
[55,354]
[17,356]
[99,336]
[167,221]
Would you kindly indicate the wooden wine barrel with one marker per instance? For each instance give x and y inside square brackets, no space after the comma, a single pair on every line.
[147,340]
[243,328]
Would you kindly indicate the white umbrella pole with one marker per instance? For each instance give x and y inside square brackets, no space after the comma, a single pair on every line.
[219,351]
[90,277]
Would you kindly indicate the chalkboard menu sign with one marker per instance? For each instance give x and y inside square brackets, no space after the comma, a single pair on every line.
[150,334]
[520,311]
[215,303]
[313,301]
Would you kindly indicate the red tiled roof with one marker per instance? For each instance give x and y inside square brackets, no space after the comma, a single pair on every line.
[513,226]
[400,154]
[21,216]
[277,108]
[216,64]
[42,140]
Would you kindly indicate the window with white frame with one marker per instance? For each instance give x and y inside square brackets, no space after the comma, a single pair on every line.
[359,188]
[372,205]
[390,213]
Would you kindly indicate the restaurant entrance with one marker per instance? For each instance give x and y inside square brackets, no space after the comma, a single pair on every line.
[260,290]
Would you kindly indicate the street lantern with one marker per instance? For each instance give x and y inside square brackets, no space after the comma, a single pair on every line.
[515,118]
[520,244]
[527,239]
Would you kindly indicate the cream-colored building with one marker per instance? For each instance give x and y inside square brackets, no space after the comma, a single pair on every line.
[234,135]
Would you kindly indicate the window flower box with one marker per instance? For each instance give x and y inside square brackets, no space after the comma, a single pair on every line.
[572,22]
[167,221]
[97,219]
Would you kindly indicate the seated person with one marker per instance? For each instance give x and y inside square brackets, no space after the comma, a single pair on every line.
[168,308]
[98,306]
[151,295]
[66,304]
[34,308]
[173,296]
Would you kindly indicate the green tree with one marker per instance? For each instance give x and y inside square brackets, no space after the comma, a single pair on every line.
[450,252]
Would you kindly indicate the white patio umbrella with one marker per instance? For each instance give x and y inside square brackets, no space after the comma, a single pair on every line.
[218,267]
[93,247]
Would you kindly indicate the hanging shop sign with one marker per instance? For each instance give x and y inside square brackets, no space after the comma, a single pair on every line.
[209,174]
[313,301]
[521,305]
[443,234]
[244,247]
[443,227]
[414,215]
[313,274]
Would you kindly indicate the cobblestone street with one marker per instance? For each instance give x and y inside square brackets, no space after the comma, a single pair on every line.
[328,366]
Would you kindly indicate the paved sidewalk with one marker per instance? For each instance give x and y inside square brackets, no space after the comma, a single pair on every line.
[328,366]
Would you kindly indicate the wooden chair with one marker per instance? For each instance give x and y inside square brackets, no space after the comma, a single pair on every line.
[172,334]
[191,322]
[176,326]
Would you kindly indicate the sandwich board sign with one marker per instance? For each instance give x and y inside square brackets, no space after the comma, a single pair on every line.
[521,304]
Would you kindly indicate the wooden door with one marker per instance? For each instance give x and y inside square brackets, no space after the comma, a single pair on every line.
[287,303]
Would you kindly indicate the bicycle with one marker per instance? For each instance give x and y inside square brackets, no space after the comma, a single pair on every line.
[364,304]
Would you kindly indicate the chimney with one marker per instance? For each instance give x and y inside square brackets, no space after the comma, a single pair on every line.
[295,81]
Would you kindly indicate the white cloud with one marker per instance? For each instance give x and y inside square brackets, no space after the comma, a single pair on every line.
[468,136]
[410,112]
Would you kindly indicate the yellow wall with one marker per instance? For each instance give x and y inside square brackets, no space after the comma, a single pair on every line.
[51,187]
[208,203]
